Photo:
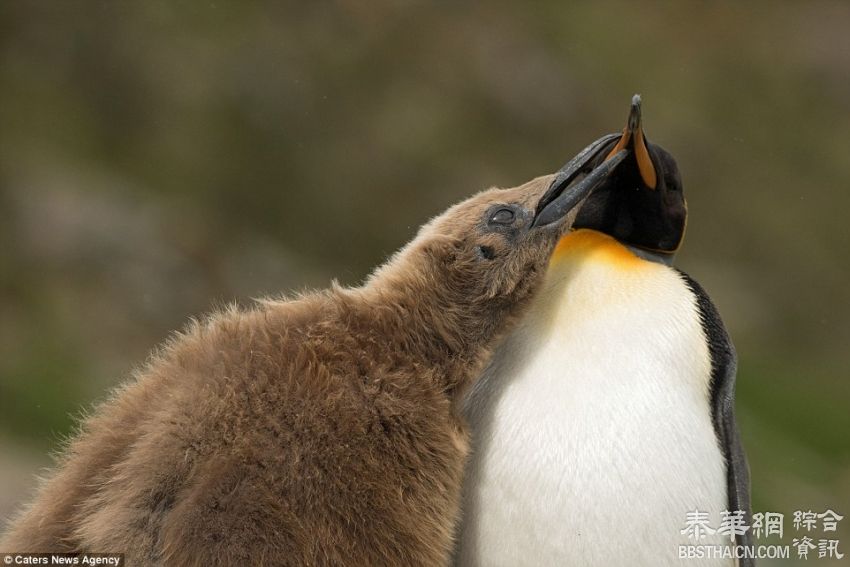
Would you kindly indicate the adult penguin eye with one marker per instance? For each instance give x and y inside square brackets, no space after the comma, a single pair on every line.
[502,216]
[670,183]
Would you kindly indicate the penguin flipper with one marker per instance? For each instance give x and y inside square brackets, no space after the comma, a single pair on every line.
[724,365]
[737,468]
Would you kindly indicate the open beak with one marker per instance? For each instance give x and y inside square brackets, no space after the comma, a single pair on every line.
[634,139]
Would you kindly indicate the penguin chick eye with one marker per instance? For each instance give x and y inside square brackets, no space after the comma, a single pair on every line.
[486,252]
[502,216]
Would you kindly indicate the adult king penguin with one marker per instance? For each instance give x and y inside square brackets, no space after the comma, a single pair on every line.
[607,415]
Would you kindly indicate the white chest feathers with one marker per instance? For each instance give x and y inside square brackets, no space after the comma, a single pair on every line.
[592,429]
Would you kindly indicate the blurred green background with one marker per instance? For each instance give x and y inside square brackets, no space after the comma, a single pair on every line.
[158,159]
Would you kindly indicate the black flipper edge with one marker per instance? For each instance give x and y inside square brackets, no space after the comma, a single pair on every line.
[724,364]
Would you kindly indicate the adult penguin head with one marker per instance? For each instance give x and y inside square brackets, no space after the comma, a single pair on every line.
[641,203]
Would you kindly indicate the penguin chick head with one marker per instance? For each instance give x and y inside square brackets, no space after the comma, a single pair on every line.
[489,248]
[482,259]
[642,203]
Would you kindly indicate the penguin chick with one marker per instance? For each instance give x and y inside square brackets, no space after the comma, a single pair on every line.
[318,431]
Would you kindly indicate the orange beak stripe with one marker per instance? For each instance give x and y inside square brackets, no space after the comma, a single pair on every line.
[622,144]
[633,134]
[647,170]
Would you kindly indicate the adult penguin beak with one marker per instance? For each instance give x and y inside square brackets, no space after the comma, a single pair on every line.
[634,139]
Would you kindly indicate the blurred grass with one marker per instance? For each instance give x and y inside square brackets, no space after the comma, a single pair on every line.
[158,158]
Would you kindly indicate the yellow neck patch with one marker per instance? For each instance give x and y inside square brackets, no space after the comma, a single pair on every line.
[584,244]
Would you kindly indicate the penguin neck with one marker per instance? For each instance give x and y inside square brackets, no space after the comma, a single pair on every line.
[583,242]
[450,337]
[651,255]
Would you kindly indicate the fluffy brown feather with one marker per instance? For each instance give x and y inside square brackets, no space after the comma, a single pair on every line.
[317,431]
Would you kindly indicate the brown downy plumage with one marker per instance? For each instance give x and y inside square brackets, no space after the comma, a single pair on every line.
[321,430]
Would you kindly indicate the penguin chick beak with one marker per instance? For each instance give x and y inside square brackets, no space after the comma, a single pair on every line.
[563,196]
[634,139]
